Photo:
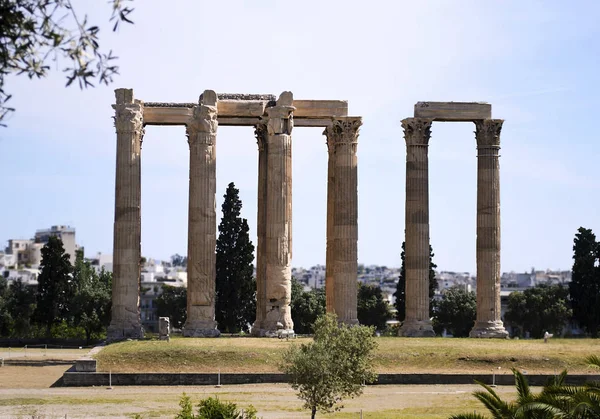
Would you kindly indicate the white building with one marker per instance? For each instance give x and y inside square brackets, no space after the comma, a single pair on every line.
[28,252]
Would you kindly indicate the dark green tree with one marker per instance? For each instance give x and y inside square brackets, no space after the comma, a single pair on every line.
[539,309]
[236,285]
[172,303]
[178,260]
[93,299]
[400,293]
[36,33]
[5,317]
[21,305]
[306,307]
[373,310]
[585,281]
[56,287]
[335,366]
[456,312]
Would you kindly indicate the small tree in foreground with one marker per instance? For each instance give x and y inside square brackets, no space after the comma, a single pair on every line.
[332,367]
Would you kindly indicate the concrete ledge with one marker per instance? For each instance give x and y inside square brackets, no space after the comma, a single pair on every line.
[86,379]
[85,365]
[19,362]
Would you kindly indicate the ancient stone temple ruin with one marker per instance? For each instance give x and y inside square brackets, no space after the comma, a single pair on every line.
[417,132]
[273,120]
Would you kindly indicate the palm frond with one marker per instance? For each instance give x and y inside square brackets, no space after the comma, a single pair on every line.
[523,391]
[593,361]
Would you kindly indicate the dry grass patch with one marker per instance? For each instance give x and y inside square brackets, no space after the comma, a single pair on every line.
[394,355]
[442,355]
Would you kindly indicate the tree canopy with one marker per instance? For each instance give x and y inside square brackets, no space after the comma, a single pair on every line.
[172,303]
[456,312]
[36,33]
[306,306]
[372,309]
[332,367]
[92,300]
[543,308]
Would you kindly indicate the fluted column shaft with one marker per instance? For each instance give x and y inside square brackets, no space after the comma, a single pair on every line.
[261,229]
[278,215]
[329,253]
[125,314]
[342,218]
[488,322]
[417,132]
[202,133]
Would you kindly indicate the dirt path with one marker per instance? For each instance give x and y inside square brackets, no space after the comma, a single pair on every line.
[25,392]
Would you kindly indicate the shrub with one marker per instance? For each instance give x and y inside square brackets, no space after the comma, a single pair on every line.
[213,408]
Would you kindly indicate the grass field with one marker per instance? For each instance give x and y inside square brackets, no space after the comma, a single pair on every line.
[394,355]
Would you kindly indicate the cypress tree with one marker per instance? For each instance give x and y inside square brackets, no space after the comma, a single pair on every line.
[56,287]
[236,285]
[584,288]
[400,293]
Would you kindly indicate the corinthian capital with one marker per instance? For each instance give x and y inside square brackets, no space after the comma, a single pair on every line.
[261,132]
[129,118]
[417,131]
[343,130]
[281,120]
[487,133]
[204,116]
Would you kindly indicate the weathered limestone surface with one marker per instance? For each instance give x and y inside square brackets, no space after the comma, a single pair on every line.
[125,316]
[164,328]
[453,111]
[278,216]
[342,219]
[244,111]
[261,227]
[488,323]
[417,132]
[329,255]
[202,133]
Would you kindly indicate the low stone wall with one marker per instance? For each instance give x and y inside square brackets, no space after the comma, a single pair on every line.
[86,379]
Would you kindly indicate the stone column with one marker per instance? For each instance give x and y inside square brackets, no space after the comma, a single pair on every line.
[329,259]
[488,323]
[202,219]
[261,229]
[125,316]
[417,132]
[342,218]
[278,258]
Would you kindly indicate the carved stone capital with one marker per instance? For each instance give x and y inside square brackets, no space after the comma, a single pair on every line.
[203,120]
[417,131]
[281,120]
[261,133]
[487,133]
[343,130]
[129,118]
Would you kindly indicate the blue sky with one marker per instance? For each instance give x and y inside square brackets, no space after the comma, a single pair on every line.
[536,62]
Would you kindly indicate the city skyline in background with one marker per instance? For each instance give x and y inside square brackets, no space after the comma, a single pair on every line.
[533,62]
